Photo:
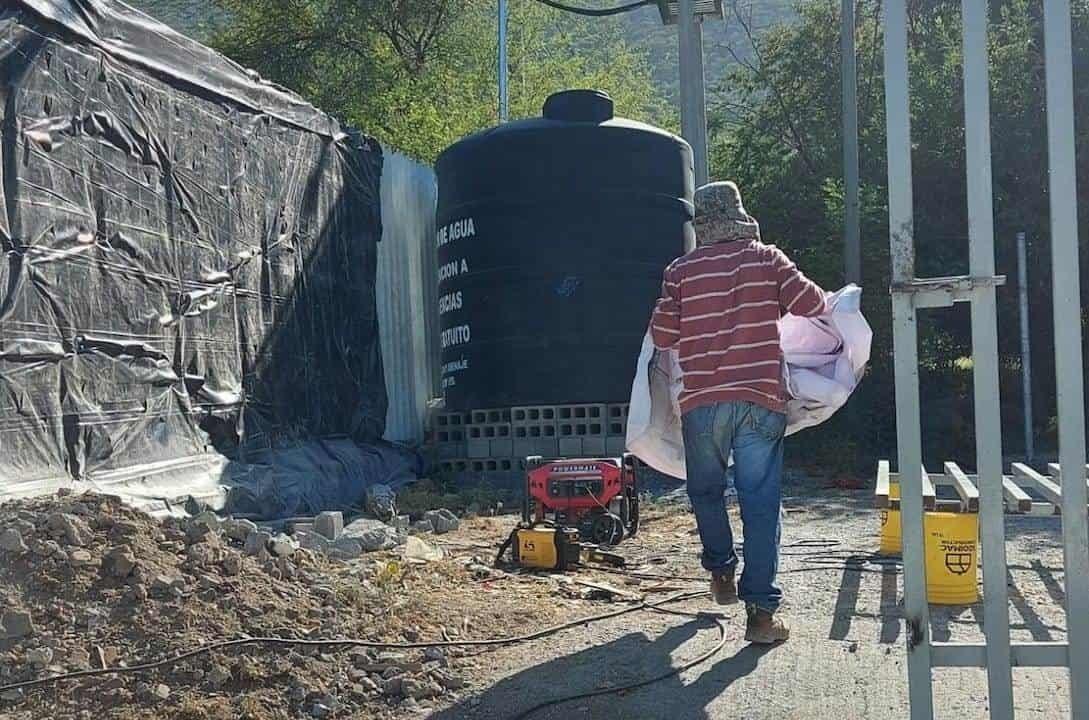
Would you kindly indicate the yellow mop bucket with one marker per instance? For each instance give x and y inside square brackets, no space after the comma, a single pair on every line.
[952,552]
[890,525]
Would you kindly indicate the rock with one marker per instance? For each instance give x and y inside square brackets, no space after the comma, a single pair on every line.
[121,529]
[345,549]
[167,586]
[73,530]
[311,541]
[329,524]
[202,526]
[448,680]
[119,561]
[401,523]
[232,564]
[156,693]
[368,685]
[381,501]
[434,654]
[39,656]
[138,593]
[282,546]
[286,568]
[238,529]
[422,526]
[419,551]
[209,582]
[203,554]
[442,520]
[257,541]
[372,534]
[16,624]
[80,558]
[79,659]
[218,676]
[419,688]
[11,541]
[393,687]
[320,710]
[12,696]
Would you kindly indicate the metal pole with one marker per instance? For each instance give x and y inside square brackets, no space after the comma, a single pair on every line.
[693,101]
[852,250]
[1069,370]
[1026,346]
[984,310]
[504,103]
[905,359]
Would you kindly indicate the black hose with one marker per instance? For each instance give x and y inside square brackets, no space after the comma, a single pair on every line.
[342,643]
[672,672]
[594,12]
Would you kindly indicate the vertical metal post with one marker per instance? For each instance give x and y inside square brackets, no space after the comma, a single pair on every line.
[693,100]
[504,102]
[984,309]
[1026,347]
[905,356]
[852,250]
[1069,369]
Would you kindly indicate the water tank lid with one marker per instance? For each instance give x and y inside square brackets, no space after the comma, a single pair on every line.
[592,106]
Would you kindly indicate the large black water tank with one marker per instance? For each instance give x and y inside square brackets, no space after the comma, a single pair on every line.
[552,236]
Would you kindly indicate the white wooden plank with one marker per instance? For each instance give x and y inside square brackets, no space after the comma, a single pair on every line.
[1016,498]
[968,492]
[1042,484]
[881,493]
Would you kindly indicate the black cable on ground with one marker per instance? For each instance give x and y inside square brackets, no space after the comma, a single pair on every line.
[672,672]
[595,12]
[345,642]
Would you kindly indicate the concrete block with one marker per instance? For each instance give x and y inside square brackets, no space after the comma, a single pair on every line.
[615,446]
[593,446]
[546,447]
[329,524]
[582,413]
[476,449]
[502,448]
[524,447]
[570,447]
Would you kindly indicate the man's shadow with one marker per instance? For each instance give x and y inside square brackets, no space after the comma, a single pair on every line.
[628,659]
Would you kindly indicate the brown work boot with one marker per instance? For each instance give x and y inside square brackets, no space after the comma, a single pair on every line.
[723,588]
[763,628]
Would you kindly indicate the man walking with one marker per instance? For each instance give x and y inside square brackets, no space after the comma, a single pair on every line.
[720,308]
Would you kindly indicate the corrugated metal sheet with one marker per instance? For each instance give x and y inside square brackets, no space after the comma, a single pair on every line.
[408,295]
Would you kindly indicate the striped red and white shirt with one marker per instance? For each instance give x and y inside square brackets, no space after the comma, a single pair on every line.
[720,307]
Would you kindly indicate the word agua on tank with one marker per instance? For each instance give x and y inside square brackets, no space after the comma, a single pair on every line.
[456,230]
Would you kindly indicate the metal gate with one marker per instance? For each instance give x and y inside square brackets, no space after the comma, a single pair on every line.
[910,294]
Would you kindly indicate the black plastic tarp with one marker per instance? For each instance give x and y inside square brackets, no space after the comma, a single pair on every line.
[189,253]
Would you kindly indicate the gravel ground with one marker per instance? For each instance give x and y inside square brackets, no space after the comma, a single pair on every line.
[846,658]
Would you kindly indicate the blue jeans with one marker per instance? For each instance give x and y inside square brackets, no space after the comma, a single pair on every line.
[755,436]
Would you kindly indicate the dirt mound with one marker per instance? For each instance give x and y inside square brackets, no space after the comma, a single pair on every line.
[86,582]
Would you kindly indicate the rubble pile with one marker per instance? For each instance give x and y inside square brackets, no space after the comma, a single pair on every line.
[86,582]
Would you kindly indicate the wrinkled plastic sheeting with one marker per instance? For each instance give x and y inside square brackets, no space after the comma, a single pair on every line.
[189,255]
[315,476]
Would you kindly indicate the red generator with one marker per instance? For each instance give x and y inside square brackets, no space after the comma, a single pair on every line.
[597,496]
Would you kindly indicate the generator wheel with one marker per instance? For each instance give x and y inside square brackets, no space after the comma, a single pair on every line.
[607,529]
[631,522]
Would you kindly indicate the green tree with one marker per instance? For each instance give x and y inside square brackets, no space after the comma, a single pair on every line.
[421,75]
[777,130]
